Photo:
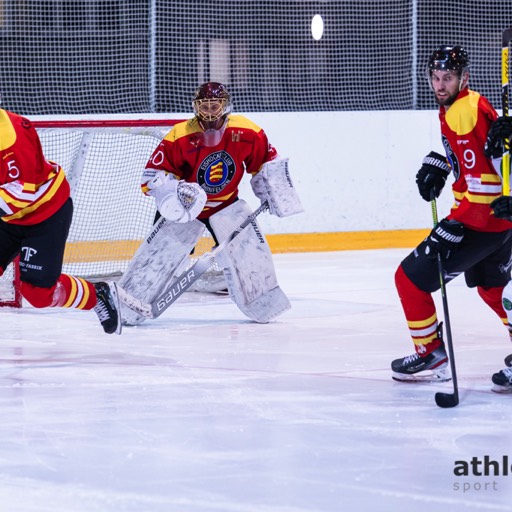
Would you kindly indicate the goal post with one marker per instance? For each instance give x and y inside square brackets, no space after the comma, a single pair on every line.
[103,161]
[10,295]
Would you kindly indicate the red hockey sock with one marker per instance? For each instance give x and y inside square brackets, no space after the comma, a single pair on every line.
[79,294]
[420,313]
[68,292]
[492,297]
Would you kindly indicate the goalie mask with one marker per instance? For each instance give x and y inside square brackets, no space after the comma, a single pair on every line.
[449,58]
[212,104]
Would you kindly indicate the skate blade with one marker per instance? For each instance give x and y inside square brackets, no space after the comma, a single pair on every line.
[501,389]
[115,295]
[437,375]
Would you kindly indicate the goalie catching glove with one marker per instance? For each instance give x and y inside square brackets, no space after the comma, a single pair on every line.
[176,200]
[432,176]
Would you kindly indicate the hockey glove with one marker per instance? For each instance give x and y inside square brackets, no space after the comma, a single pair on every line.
[502,207]
[444,239]
[432,176]
[501,129]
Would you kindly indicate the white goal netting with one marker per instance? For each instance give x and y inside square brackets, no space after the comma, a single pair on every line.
[121,56]
[103,162]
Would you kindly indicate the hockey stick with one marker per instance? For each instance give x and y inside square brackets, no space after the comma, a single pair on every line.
[445,399]
[505,164]
[183,282]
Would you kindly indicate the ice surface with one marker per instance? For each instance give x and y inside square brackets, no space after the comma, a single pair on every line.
[202,410]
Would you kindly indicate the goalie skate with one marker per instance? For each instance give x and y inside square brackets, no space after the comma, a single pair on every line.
[432,367]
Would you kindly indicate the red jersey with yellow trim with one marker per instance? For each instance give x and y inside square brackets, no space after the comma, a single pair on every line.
[464,128]
[244,148]
[31,188]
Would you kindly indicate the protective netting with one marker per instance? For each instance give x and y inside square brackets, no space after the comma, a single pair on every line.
[121,56]
[104,165]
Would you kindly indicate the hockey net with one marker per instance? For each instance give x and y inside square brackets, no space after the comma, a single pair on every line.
[103,161]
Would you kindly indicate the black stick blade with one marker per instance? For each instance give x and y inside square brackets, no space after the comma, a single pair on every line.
[508,360]
[447,400]
[506,37]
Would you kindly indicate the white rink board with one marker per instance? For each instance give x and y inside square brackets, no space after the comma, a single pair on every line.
[355,171]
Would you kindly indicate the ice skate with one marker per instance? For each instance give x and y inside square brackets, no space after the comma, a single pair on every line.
[432,367]
[502,381]
[108,307]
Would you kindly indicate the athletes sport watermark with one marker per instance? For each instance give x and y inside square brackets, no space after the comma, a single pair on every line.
[481,474]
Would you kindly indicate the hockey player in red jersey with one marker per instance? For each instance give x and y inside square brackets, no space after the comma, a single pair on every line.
[193,176]
[471,239]
[35,215]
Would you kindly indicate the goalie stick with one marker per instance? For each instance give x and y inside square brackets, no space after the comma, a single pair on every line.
[184,281]
[505,44]
[445,400]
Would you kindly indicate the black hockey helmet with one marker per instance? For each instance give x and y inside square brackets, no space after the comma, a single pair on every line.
[448,58]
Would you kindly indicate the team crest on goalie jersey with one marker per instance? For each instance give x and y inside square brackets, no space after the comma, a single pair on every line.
[216,172]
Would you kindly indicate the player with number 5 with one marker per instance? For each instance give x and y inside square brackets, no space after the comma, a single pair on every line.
[35,215]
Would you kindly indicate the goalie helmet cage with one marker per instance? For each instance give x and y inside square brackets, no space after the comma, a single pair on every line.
[103,161]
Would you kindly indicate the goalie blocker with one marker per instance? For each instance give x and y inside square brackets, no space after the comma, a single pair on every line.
[274,185]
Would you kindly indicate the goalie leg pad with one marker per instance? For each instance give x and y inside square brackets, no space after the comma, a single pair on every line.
[248,267]
[273,183]
[155,262]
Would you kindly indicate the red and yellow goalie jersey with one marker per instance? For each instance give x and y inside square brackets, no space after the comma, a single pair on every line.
[244,148]
[31,188]
[464,130]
